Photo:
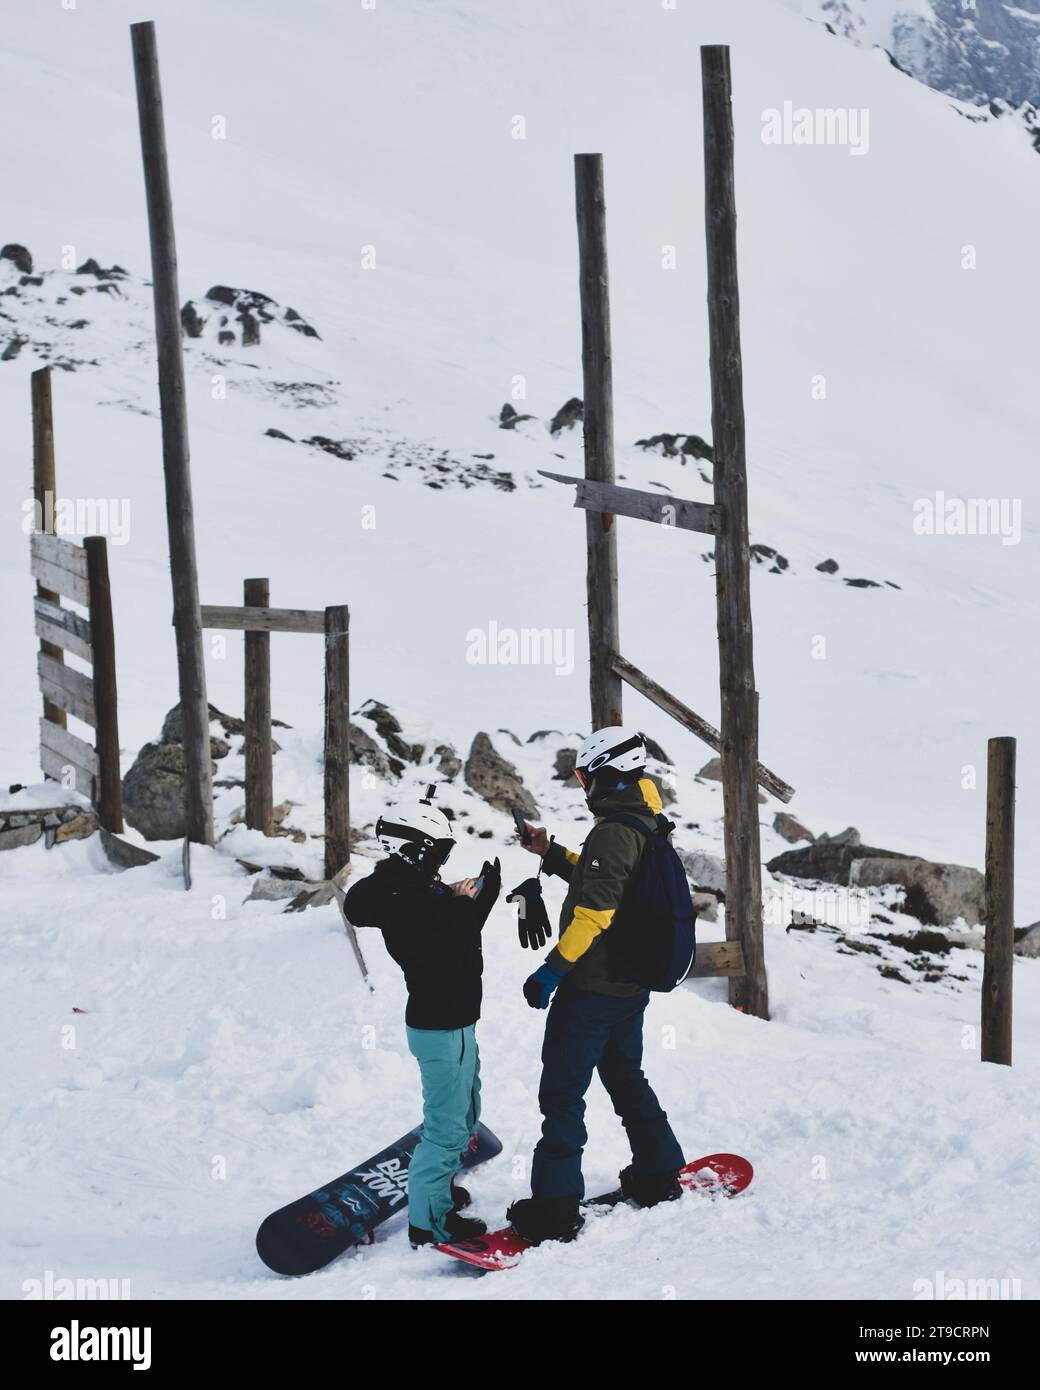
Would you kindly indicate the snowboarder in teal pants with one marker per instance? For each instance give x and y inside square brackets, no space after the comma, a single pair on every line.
[432,930]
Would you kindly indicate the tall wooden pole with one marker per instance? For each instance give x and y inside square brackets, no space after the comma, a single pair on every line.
[1000,902]
[600,528]
[739,701]
[337,740]
[180,520]
[44,488]
[259,755]
[108,788]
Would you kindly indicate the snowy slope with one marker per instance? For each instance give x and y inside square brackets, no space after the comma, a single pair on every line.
[392,129]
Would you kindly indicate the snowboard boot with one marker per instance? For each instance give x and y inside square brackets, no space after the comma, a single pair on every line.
[647,1189]
[535,1219]
[458,1228]
[460,1197]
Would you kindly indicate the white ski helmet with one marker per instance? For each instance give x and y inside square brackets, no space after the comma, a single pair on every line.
[618,749]
[418,833]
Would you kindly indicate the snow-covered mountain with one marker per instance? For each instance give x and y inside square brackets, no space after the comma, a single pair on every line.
[982,52]
[397,178]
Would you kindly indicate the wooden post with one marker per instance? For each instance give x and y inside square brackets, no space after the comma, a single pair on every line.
[259,759]
[598,389]
[44,488]
[108,788]
[1000,902]
[337,741]
[180,519]
[739,701]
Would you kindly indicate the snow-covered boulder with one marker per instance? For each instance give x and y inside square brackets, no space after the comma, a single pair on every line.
[495,779]
[936,894]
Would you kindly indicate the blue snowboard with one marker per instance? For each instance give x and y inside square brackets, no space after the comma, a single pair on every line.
[312,1231]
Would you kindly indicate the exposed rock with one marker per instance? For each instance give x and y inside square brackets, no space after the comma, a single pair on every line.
[863,583]
[389,730]
[829,859]
[706,906]
[153,792]
[173,730]
[79,827]
[297,321]
[692,446]
[849,836]
[20,835]
[766,555]
[1027,941]
[791,829]
[449,764]
[936,894]
[13,348]
[936,943]
[335,447]
[563,764]
[712,770]
[707,872]
[91,267]
[272,433]
[367,753]
[191,320]
[571,413]
[508,418]
[495,779]
[539,734]
[19,255]
[828,566]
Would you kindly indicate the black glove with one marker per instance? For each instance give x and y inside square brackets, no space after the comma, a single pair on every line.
[533,921]
[490,887]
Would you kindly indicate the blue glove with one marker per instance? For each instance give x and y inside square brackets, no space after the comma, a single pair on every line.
[538,988]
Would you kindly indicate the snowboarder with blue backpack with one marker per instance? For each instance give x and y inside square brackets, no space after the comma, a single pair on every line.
[626,927]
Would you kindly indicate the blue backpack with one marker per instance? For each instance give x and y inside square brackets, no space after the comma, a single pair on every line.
[652,939]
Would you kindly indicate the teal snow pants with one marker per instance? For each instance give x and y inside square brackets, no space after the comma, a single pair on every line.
[449,1064]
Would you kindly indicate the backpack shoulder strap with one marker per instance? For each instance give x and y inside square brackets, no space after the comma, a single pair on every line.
[622,818]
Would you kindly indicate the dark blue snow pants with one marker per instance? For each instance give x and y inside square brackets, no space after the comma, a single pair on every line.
[587,1032]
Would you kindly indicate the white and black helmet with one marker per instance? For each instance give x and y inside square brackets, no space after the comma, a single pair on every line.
[418,833]
[616,750]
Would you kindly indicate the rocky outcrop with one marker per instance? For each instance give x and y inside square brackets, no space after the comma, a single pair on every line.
[829,859]
[706,872]
[571,413]
[388,727]
[495,779]
[19,256]
[791,829]
[153,792]
[936,894]
[678,446]
[236,316]
[509,418]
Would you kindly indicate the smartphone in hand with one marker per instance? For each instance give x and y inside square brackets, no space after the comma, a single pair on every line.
[523,834]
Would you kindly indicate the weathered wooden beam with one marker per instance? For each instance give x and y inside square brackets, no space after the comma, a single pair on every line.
[62,628]
[58,740]
[56,550]
[337,741]
[57,579]
[598,395]
[180,516]
[58,765]
[717,958]
[659,507]
[738,747]
[44,488]
[66,687]
[665,700]
[998,963]
[256,593]
[109,785]
[263,619]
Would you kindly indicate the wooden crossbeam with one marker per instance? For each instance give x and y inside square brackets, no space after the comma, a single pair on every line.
[59,566]
[659,507]
[264,619]
[69,689]
[716,959]
[63,628]
[60,750]
[663,699]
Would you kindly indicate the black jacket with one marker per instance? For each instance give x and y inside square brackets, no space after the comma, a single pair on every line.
[432,935]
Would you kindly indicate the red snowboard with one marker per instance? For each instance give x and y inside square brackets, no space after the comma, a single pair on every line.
[717,1175]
